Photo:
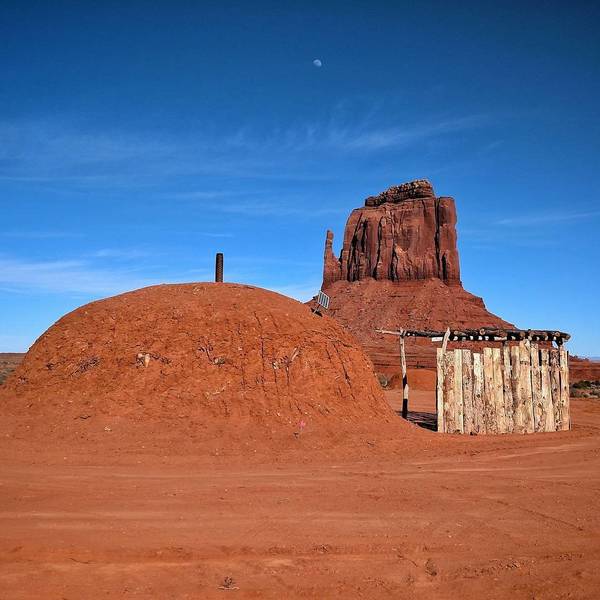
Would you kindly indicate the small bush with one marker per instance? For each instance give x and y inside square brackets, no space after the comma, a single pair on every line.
[585,389]
[383,380]
[581,385]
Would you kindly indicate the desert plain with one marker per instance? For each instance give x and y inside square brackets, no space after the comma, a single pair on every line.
[411,515]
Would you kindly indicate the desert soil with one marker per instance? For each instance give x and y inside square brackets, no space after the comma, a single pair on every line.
[487,517]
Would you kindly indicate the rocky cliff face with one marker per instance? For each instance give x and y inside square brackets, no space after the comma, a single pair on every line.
[405,233]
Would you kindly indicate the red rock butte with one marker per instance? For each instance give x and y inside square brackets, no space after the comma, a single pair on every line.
[399,267]
[202,352]
[403,234]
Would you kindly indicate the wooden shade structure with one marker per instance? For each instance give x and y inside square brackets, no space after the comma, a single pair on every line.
[493,374]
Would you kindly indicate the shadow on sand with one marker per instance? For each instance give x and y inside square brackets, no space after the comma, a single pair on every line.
[426,420]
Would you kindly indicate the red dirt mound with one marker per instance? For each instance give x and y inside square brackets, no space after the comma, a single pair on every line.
[203,352]
[364,306]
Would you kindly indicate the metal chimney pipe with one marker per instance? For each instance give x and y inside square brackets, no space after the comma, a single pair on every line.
[219,267]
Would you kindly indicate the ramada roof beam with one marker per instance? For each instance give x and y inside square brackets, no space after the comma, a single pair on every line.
[485,333]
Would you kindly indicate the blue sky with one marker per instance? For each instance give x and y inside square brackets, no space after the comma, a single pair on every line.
[139,138]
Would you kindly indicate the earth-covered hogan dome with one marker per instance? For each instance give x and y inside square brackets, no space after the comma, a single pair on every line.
[204,352]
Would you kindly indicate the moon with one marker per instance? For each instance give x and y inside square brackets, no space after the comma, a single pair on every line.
[317,63]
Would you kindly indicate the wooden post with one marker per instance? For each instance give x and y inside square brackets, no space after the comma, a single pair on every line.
[507,385]
[440,390]
[458,392]
[478,406]
[565,418]
[547,408]
[491,424]
[404,377]
[515,380]
[449,412]
[555,388]
[467,384]
[525,387]
[498,391]
[445,339]
[536,388]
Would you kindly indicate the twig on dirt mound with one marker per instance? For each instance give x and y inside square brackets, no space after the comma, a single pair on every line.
[83,562]
[228,584]
[85,365]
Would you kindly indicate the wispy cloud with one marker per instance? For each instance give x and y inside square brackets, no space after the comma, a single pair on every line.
[211,234]
[120,253]
[373,139]
[500,238]
[209,194]
[548,218]
[267,209]
[40,235]
[71,277]
[42,151]
[272,260]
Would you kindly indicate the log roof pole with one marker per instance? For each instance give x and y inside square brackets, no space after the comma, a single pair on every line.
[485,334]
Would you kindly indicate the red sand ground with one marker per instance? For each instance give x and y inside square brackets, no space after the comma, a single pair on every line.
[431,517]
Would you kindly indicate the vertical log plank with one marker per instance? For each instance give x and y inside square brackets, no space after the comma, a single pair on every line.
[478,406]
[467,385]
[507,384]
[555,388]
[536,388]
[515,380]
[565,420]
[547,408]
[449,426]
[440,390]
[458,392]
[491,423]
[498,391]
[525,387]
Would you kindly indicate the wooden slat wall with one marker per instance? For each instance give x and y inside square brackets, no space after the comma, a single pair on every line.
[526,406]
[489,408]
[448,393]
[507,390]
[565,420]
[515,380]
[458,393]
[440,390]
[536,386]
[518,388]
[548,423]
[555,386]
[478,406]
[498,391]
[467,389]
